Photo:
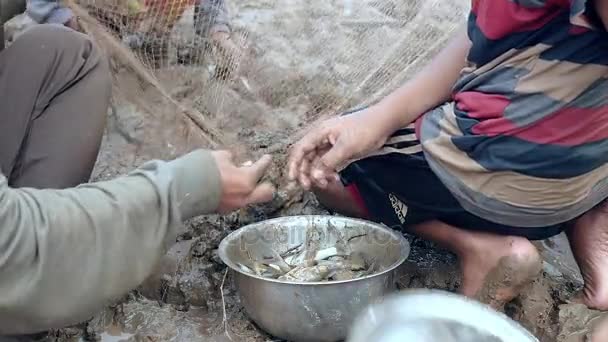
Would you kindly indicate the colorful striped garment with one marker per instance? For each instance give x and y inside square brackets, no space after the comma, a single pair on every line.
[525,140]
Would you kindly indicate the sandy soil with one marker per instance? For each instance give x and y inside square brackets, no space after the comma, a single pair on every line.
[301,60]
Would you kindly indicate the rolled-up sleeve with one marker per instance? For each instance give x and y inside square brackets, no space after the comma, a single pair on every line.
[66,253]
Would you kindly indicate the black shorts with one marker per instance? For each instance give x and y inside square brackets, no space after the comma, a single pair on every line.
[399,189]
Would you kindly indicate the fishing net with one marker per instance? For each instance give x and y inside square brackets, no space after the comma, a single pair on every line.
[285,64]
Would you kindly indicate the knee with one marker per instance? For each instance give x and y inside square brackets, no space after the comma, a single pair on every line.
[51,36]
[523,250]
[63,50]
[52,43]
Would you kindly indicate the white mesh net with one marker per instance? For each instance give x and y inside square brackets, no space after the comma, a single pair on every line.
[285,63]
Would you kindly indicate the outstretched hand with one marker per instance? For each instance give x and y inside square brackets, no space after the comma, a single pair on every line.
[317,157]
[241,184]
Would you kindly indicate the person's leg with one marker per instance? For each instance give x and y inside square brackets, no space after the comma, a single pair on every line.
[399,190]
[55,88]
[341,199]
[494,267]
[589,241]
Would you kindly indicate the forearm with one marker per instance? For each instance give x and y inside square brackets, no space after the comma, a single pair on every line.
[66,253]
[431,87]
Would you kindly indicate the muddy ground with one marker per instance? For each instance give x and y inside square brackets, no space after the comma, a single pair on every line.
[301,60]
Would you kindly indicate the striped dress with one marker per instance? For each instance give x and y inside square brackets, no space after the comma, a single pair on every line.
[525,140]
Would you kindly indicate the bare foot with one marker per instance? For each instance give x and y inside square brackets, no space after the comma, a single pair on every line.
[495,268]
[589,241]
[498,268]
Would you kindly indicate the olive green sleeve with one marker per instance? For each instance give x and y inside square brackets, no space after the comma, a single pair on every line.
[64,254]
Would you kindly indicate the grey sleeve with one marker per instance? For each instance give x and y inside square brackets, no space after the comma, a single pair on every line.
[211,16]
[48,12]
[64,254]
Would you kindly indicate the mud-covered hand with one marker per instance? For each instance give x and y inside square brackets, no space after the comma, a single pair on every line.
[317,157]
[241,184]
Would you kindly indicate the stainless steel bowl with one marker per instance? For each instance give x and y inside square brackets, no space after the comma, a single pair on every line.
[317,311]
[432,315]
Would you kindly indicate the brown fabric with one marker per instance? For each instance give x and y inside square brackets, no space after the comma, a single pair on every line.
[54,92]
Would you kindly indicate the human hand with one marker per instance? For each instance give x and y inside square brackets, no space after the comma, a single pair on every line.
[315,159]
[73,24]
[241,185]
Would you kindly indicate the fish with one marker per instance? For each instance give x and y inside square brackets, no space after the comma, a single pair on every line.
[245,268]
[344,275]
[325,255]
[328,253]
[308,274]
[311,245]
[341,244]
[357,261]
[267,255]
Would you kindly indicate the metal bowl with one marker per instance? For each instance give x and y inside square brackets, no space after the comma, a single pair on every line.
[312,311]
[432,315]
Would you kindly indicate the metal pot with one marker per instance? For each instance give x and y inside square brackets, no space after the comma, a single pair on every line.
[435,316]
[316,311]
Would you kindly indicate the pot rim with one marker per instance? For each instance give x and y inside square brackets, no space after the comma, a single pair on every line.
[428,304]
[405,249]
